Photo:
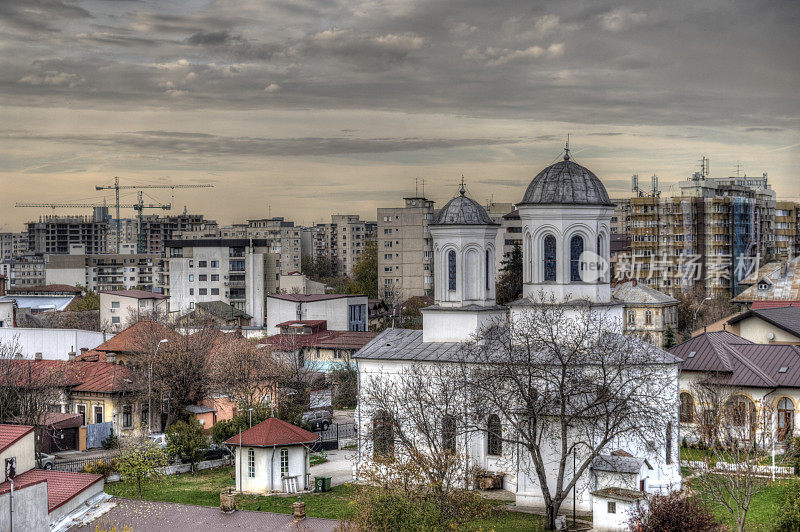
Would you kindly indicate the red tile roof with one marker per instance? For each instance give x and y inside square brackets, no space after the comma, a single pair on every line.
[273,431]
[137,294]
[11,434]
[82,375]
[324,339]
[136,337]
[61,420]
[62,486]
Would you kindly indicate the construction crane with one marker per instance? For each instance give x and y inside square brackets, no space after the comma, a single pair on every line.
[116,187]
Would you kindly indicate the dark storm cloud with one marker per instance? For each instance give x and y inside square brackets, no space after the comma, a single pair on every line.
[172,142]
[38,15]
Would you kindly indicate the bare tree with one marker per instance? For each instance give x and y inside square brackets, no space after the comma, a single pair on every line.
[566,385]
[420,418]
[243,371]
[739,435]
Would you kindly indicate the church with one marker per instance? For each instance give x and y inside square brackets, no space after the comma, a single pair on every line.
[566,217]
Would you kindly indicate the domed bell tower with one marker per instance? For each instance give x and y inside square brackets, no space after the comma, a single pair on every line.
[464,276]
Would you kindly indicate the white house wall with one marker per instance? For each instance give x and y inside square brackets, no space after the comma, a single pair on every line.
[54,344]
[268,463]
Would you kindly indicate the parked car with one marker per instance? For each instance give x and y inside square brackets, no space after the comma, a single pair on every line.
[318,419]
[45,461]
[215,452]
[159,439]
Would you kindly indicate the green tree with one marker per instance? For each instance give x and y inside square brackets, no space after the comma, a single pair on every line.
[509,286]
[222,430]
[365,273]
[669,338]
[89,301]
[186,440]
[141,461]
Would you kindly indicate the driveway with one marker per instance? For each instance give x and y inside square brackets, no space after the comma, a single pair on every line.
[339,467]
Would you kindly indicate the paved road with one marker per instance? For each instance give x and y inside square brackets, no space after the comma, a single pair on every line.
[339,467]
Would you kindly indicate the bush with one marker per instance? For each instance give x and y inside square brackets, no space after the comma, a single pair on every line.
[787,518]
[673,513]
[111,441]
[101,467]
[186,440]
[379,508]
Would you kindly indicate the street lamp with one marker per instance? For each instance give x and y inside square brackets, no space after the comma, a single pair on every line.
[694,319]
[150,387]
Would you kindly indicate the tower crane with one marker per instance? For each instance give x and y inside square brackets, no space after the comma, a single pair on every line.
[116,187]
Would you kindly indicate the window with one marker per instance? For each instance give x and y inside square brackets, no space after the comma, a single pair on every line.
[202,264]
[284,462]
[486,268]
[98,414]
[145,414]
[668,451]
[549,258]
[115,304]
[215,291]
[202,277]
[215,277]
[115,319]
[382,435]
[251,463]
[575,252]
[612,507]
[127,416]
[191,291]
[191,264]
[451,270]
[495,438]
[687,408]
[449,434]
[631,317]
[648,317]
[191,277]
[81,409]
[202,292]
[215,264]
[785,418]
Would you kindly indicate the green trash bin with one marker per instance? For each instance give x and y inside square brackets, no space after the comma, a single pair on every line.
[322,484]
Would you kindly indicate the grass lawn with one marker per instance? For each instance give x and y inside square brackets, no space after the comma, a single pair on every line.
[203,489]
[762,508]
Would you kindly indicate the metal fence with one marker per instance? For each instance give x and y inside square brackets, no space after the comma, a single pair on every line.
[77,465]
[330,439]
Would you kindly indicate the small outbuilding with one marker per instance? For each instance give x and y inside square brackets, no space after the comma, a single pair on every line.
[613,507]
[272,457]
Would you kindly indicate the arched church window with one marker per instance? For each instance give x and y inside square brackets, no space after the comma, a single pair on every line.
[575,252]
[549,258]
[486,268]
[495,439]
[449,433]
[451,270]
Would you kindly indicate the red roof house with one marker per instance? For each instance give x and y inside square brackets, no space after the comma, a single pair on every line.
[273,431]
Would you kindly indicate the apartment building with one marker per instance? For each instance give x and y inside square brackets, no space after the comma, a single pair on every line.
[405,250]
[24,271]
[509,235]
[787,236]
[54,234]
[13,245]
[238,271]
[106,272]
[342,241]
[621,219]
[155,230]
[712,234]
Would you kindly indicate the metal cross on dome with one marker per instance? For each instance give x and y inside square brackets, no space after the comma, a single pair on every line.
[566,149]
[463,189]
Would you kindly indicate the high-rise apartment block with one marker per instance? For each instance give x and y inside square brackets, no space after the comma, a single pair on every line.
[405,250]
[237,271]
[787,235]
[13,245]
[54,234]
[712,234]
[342,241]
[110,271]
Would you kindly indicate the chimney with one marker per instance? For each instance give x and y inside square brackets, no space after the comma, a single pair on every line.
[111,357]
[71,356]
[38,356]
[724,326]
[84,350]
[18,356]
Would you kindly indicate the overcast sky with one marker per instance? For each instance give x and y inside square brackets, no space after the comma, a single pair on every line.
[303,108]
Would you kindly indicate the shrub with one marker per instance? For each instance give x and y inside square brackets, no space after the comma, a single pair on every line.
[186,440]
[787,518]
[140,462]
[101,467]
[111,442]
[673,513]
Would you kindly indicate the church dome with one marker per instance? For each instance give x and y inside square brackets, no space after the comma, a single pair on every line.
[462,210]
[566,183]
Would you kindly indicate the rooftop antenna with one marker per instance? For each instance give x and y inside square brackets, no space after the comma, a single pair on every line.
[635,184]
[423,188]
[738,168]
[656,192]
[566,149]
[416,187]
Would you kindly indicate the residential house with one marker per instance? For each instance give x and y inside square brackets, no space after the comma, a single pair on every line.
[272,457]
[219,313]
[760,375]
[774,282]
[648,312]
[41,500]
[297,283]
[342,312]
[120,307]
[318,348]
[779,325]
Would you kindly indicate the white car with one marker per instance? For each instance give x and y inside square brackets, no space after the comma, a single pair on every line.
[159,439]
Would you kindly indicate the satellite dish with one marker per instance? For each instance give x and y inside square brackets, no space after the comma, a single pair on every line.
[770,336]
